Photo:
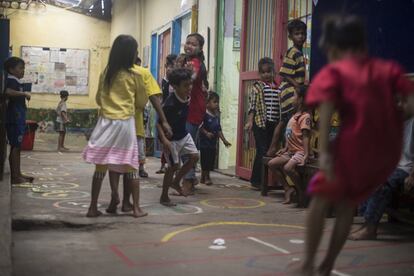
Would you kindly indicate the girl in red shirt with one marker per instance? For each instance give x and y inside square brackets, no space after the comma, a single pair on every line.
[193,49]
[364,90]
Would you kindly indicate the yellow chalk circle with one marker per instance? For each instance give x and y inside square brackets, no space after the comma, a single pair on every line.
[169,236]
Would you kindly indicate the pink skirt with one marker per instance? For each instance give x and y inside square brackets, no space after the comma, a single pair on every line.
[113,143]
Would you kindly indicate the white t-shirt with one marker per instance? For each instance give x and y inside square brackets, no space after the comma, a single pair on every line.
[61,107]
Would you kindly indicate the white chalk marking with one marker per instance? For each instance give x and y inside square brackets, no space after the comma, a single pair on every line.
[296,241]
[269,245]
[217,247]
[336,272]
[295,259]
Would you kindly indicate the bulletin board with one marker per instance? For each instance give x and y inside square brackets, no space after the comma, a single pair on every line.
[51,70]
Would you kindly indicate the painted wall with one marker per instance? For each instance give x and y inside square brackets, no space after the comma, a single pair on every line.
[230,85]
[126,19]
[57,27]
[157,13]
[207,15]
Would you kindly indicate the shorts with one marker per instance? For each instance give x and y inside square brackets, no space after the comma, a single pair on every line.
[15,134]
[179,148]
[297,157]
[60,127]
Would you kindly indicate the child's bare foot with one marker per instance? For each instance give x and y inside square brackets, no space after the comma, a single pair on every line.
[19,180]
[28,178]
[161,170]
[126,206]
[288,196]
[177,188]
[208,182]
[113,205]
[365,233]
[324,270]
[166,201]
[298,269]
[65,148]
[187,187]
[93,213]
[138,212]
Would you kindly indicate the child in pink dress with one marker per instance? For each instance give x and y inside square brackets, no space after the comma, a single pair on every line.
[364,90]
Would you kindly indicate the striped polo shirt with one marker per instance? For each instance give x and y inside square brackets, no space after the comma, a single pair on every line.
[294,67]
[272,102]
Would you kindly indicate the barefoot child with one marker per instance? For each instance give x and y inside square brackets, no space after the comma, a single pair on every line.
[296,151]
[293,73]
[15,116]
[113,144]
[193,49]
[210,131]
[181,143]
[62,119]
[166,90]
[366,150]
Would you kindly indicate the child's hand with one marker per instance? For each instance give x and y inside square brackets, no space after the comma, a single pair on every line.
[167,147]
[167,130]
[305,159]
[28,95]
[227,144]
[326,165]
[210,135]
[409,183]
[248,126]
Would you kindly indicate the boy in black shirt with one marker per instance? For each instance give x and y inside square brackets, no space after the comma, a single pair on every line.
[176,109]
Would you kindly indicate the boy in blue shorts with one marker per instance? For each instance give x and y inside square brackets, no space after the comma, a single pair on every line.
[16,116]
[181,143]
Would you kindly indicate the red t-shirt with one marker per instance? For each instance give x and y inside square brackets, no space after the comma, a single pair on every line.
[368,146]
[197,108]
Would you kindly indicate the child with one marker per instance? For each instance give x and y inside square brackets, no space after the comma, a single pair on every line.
[113,144]
[293,77]
[62,119]
[210,130]
[193,48]
[368,147]
[181,143]
[166,90]
[296,151]
[16,116]
[264,115]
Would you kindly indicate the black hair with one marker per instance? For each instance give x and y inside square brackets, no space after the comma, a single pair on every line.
[344,33]
[122,56]
[138,61]
[64,94]
[11,63]
[177,75]
[170,60]
[266,61]
[213,96]
[200,56]
[296,24]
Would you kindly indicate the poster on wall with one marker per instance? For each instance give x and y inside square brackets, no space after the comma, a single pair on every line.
[51,70]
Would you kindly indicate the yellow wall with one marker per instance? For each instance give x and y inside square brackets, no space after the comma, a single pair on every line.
[61,28]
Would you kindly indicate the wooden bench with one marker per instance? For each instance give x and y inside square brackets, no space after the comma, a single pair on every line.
[305,172]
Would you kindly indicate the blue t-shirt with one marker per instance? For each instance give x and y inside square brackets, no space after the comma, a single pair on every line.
[16,107]
[176,111]
[211,123]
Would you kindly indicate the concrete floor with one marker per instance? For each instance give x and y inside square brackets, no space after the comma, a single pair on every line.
[52,236]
